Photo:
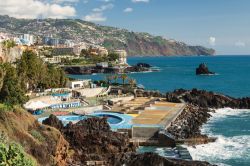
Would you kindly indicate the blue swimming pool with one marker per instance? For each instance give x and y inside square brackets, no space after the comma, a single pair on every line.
[115,120]
[111,118]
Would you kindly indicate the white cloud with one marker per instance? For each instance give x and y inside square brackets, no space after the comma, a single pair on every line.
[65,1]
[212,41]
[103,8]
[240,44]
[97,13]
[136,1]
[128,10]
[106,0]
[95,17]
[35,9]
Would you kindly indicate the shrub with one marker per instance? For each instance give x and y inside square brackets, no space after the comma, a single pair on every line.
[37,135]
[14,155]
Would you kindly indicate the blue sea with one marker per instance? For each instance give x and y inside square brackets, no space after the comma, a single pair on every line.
[232,127]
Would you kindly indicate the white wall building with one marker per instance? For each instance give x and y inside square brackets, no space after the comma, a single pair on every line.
[122,56]
[78,48]
[78,84]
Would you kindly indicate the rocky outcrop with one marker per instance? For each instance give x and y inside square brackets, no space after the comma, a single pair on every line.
[203,70]
[144,65]
[53,121]
[207,99]
[152,159]
[92,140]
[188,123]
[141,67]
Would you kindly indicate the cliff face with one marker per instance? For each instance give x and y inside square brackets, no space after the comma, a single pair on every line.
[44,143]
[139,44]
[109,37]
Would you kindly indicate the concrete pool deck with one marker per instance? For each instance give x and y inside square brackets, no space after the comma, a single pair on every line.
[160,113]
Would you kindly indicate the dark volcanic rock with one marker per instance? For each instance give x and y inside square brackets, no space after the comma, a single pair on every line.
[143,65]
[188,123]
[92,140]
[152,159]
[207,99]
[203,70]
[140,67]
[136,69]
[53,121]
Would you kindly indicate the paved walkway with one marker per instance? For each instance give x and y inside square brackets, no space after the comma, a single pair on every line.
[161,114]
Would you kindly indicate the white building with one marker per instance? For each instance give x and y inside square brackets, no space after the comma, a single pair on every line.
[122,56]
[78,84]
[25,39]
[102,51]
[58,58]
[78,48]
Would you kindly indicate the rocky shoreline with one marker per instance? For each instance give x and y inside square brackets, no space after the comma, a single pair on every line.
[200,104]
[188,123]
[92,141]
[206,99]
[88,70]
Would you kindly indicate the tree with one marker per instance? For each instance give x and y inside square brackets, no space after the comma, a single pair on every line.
[9,44]
[84,53]
[132,82]
[115,77]
[124,77]
[108,79]
[11,92]
[37,74]
[113,57]
[31,70]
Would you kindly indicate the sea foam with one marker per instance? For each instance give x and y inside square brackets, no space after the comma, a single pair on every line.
[224,149]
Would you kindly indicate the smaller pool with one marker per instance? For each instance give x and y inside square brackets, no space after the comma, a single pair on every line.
[66,94]
[111,118]
[115,120]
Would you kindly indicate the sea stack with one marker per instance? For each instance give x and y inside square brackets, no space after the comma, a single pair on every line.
[203,70]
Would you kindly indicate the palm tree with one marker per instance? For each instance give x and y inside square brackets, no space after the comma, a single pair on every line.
[108,79]
[124,77]
[115,77]
[132,82]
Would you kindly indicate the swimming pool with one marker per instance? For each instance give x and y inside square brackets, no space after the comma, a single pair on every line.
[111,118]
[115,120]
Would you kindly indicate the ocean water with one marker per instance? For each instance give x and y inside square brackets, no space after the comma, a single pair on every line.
[232,147]
[232,74]
[232,127]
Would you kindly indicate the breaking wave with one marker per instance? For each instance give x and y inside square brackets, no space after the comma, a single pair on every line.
[228,149]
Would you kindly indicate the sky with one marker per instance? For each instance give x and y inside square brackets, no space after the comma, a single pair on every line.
[220,24]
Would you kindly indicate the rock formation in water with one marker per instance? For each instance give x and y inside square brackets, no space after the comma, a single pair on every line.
[203,70]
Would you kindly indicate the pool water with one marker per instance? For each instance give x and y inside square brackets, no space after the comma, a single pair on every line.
[115,120]
[111,118]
